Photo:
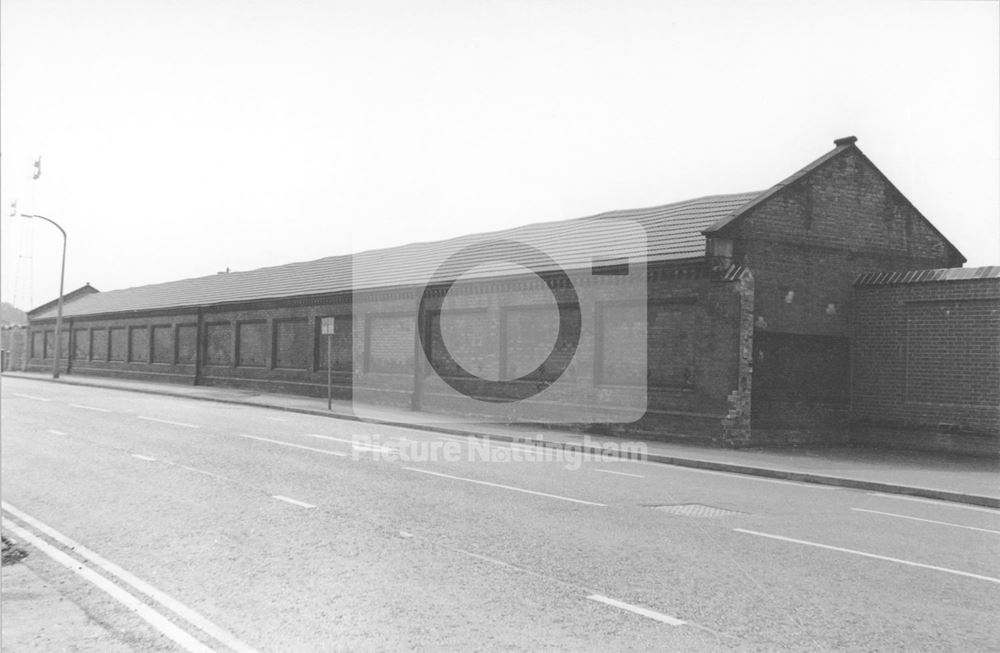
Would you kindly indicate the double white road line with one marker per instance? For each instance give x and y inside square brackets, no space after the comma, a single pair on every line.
[90,568]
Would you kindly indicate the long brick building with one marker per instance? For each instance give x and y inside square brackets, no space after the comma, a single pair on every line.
[748,317]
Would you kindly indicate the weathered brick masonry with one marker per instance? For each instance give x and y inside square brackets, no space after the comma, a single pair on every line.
[926,359]
[806,241]
[750,312]
[697,318]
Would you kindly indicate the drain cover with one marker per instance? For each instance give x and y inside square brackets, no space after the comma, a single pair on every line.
[697,510]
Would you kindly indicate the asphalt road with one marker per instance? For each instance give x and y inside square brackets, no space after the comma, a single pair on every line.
[243,527]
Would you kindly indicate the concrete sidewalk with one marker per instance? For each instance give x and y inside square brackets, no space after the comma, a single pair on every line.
[940,476]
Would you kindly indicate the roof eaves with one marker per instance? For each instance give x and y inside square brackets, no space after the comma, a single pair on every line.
[900,277]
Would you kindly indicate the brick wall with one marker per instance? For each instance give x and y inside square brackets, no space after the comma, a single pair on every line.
[272,346]
[694,345]
[14,344]
[806,245]
[926,360]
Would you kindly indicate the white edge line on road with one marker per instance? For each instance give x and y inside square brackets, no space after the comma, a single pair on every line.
[165,600]
[296,446]
[55,432]
[608,471]
[301,504]
[24,396]
[181,637]
[169,421]
[86,407]
[869,555]
[935,502]
[929,521]
[506,487]
[146,458]
[645,612]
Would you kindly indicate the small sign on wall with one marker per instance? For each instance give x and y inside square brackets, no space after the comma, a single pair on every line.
[326,325]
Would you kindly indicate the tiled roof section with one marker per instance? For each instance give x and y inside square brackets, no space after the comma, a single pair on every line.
[71,296]
[673,232]
[927,276]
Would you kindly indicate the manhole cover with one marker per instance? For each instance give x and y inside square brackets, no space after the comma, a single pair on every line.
[697,510]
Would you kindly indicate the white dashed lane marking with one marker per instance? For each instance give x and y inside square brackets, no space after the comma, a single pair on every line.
[202,471]
[24,396]
[356,444]
[141,457]
[294,446]
[865,554]
[169,421]
[608,471]
[94,408]
[929,521]
[295,502]
[639,610]
[55,432]
[507,487]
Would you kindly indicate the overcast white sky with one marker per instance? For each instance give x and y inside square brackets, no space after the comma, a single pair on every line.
[180,138]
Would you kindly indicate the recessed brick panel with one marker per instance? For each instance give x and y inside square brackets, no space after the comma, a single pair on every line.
[117,344]
[251,344]
[99,344]
[138,349]
[163,344]
[187,343]
[293,344]
[390,343]
[81,344]
[219,343]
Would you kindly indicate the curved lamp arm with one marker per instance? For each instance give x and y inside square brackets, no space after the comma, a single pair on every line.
[59,312]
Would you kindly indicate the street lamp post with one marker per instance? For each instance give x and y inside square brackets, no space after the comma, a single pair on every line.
[59,310]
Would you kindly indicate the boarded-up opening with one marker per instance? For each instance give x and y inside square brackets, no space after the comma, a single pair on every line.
[187,343]
[163,346]
[117,345]
[81,344]
[251,344]
[797,367]
[342,356]
[219,343]
[389,343]
[99,342]
[292,344]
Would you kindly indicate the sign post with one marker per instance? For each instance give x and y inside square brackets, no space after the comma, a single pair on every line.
[327,325]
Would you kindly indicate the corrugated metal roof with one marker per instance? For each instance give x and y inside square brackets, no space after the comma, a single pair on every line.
[673,231]
[927,276]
